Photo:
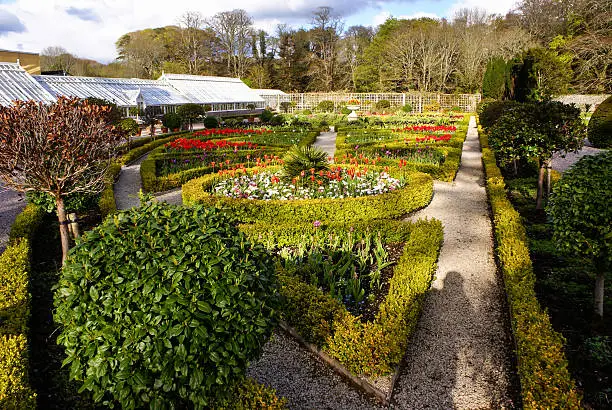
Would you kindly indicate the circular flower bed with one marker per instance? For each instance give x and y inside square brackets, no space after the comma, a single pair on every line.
[338,183]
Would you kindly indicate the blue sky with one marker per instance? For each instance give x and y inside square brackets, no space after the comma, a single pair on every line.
[89,28]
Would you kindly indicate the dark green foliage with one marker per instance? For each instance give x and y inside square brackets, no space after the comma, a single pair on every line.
[164,306]
[383,105]
[326,106]
[407,108]
[277,120]
[580,209]
[495,79]
[285,105]
[190,112]
[304,158]
[129,126]
[171,120]
[600,125]
[266,115]
[76,202]
[492,110]
[211,122]
[538,74]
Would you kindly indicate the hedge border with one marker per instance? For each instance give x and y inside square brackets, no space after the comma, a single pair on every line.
[416,195]
[15,270]
[542,366]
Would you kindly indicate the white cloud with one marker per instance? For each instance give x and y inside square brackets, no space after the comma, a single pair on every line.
[495,7]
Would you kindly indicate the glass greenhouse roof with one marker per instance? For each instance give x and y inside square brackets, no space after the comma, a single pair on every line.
[211,90]
[17,84]
[125,92]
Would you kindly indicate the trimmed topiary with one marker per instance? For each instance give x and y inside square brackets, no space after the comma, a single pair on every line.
[600,125]
[211,122]
[492,111]
[164,307]
[172,120]
[326,106]
[383,105]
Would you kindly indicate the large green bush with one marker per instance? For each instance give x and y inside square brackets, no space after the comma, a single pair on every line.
[582,217]
[493,110]
[326,106]
[211,122]
[600,125]
[172,120]
[164,307]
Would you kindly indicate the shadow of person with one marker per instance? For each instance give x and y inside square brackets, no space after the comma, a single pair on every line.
[450,362]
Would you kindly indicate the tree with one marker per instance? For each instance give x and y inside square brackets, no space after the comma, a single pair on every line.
[192,42]
[190,112]
[325,39]
[233,29]
[57,59]
[495,79]
[539,74]
[60,148]
[142,51]
[356,40]
[581,216]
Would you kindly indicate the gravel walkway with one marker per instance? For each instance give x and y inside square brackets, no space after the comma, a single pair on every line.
[327,142]
[11,204]
[562,164]
[460,356]
[299,376]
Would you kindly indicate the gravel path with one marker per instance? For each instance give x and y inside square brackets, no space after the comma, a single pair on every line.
[11,204]
[460,356]
[299,376]
[327,142]
[562,164]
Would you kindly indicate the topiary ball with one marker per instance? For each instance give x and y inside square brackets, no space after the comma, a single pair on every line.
[164,307]
[211,122]
[600,125]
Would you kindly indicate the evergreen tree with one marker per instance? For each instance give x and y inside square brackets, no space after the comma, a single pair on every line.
[494,81]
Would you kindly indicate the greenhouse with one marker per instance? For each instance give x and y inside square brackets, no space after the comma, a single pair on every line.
[17,84]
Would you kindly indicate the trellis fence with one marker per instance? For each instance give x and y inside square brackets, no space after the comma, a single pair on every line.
[418,101]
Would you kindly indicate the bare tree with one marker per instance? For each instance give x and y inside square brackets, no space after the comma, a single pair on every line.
[57,58]
[192,44]
[62,148]
[233,29]
[325,37]
[356,40]
[142,51]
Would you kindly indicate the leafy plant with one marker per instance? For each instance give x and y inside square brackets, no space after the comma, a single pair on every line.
[326,106]
[581,215]
[304,158]
[190,113]
[171,120]
[285,105]
[491,111]
[211,122]
[129,126]
[164,307]
[76,202]
[407,108]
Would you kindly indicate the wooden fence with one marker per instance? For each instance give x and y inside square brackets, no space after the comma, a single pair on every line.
[418,101]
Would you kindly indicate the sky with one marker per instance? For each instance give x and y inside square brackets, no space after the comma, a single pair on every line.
[89,28]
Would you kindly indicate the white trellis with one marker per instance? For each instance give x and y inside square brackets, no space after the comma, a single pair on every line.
[310,101]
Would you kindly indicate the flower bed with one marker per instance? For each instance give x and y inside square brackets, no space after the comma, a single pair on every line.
[416,194]
[338,183]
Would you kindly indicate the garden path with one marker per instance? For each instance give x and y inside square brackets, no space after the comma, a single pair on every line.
[129,184]
[327,142]
[11,204]
[562,164]
[460,356]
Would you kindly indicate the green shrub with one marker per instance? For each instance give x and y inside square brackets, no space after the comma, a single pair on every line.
[285,105]
[326,106]
[277,120]
[248,395]
[164,306]
[211,122]
[129,126]
[15,392]
[14,278]
[455,108]
[582,217]
[433,106]
[302,159]
[391,205]
[27,223]
[495,78]
[172,120]
[542,366]
[76,202]
[407,108]
[492,111]
[345,111]
[600,125]
[266,115]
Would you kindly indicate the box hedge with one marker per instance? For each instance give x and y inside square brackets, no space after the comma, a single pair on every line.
[542,367]
[415,195]
[15,391]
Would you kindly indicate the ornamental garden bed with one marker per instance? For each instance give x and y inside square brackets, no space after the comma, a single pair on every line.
[353,293]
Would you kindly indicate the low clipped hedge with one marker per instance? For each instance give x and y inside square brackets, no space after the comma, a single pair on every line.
[542,367]
[600,125]
[15,390]
[417,194]
[371,348]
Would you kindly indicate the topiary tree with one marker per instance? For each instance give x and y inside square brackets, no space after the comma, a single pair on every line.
[285,105]
[600,125]
[62,149]
[581,215]
[190,112]
[164,307]
[326,106]
[407,108]
[491,111]
[211,122]
[172,120]
[266,115]
[129,126]
[383,105]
